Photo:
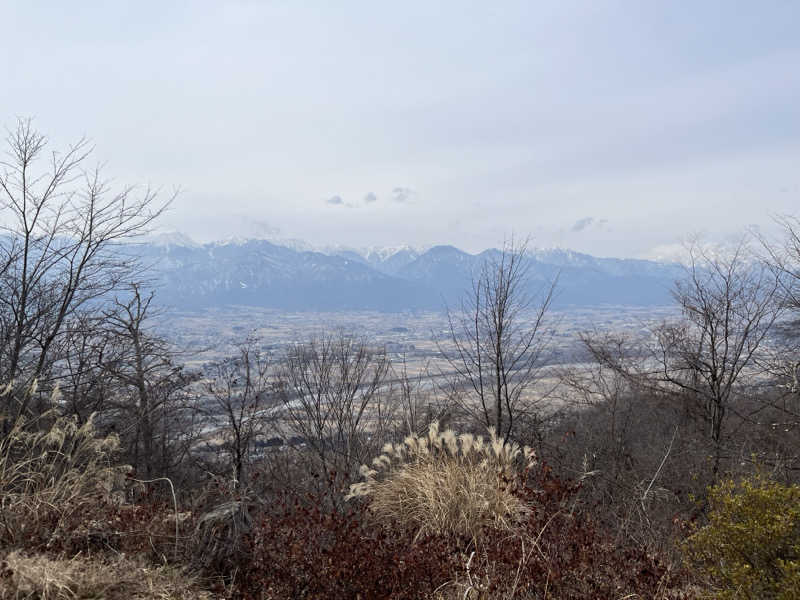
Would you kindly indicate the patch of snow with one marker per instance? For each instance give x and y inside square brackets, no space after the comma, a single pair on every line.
[171,238]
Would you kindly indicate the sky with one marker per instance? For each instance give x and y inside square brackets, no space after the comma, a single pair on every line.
[614,128]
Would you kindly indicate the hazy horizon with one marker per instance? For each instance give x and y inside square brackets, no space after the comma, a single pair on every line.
[612,128]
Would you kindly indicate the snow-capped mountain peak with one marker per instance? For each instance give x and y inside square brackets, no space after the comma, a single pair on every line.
[171,238]
[257,272]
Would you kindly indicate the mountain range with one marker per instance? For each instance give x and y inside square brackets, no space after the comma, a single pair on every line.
[257,272]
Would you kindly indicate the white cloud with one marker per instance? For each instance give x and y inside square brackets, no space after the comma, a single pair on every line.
[402,194]
[582,224]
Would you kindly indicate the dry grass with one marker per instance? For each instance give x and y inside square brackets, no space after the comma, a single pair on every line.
[41,578]
[447,483]
[51,470]
[60,482]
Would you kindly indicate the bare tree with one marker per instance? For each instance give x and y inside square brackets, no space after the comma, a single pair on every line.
[60,225]
[240,391]
[150,407]
[783,258]
[80,373]
[729,304]
[498,339]
[337,399]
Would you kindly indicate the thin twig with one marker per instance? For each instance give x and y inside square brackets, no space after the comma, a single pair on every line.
[174,504]
[655,476]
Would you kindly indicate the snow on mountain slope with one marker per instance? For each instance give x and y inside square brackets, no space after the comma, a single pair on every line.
[262,273]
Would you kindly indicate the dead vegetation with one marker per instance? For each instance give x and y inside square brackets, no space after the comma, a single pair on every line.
[447,483]
[39,577]
[53,470]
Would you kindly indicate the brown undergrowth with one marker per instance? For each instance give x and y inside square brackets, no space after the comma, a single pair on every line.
[440,517]
[445,517]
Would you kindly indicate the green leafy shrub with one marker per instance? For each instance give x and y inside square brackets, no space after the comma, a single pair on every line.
[751,546]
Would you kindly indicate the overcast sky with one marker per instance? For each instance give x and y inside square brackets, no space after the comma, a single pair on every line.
[614,128]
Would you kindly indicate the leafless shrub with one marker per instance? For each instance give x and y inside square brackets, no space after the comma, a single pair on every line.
[338,405]
[240,402]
